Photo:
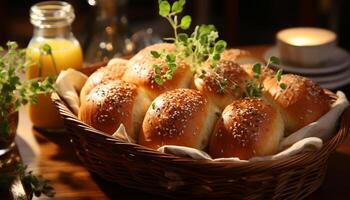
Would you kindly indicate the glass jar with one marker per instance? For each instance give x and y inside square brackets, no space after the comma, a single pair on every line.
[52,25]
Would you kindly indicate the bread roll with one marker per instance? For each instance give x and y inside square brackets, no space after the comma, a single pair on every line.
[181,117]
[141,71]
[211,83]
[248,127]
[114,103]
[301,103]
[117,61]
[239,56]
[113,71]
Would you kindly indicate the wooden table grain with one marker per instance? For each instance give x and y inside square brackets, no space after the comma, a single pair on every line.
[51,155]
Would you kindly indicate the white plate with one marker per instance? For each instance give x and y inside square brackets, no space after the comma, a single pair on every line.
[331,77]
[340,60]
[335,84]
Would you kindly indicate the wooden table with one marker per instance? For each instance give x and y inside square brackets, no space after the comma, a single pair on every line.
[51,155]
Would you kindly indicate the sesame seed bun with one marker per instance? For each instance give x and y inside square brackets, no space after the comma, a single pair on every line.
[248,127]
[114,103]
[301,103]
[181,117]
[113,71]
[141,71]
[209,83]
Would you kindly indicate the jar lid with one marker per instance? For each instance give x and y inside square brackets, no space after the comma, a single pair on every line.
[51,14]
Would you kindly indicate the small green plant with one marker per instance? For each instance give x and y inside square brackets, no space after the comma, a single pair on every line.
[200,47]
[15,92]
[253,87]
[35,185]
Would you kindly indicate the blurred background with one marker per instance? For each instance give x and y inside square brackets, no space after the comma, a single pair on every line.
[240,23]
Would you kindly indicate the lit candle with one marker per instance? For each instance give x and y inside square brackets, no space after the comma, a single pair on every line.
[305,46]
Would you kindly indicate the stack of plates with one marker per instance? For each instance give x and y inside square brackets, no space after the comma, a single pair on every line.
[333,74]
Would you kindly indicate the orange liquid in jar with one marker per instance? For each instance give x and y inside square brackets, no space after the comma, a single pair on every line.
[67,54]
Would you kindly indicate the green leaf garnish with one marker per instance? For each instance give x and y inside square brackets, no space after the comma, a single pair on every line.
[220,46]
[155,54]
[164,8]
[182,2]
[177,7]
[216,57]
[182,37]
[274,60]
[170,58]
[158,79]
[283,86]
[46,49]
[257,70]
[186,22]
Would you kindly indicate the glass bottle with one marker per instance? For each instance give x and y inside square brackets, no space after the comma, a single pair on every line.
[52,25]
[110,37]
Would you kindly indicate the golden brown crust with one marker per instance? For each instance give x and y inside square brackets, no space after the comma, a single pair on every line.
[109,105]
[301,103]
[211,82]
[239,56]
[178,117]
[102,75]
[247,128]
[141,71]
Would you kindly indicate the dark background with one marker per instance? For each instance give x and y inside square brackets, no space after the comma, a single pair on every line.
[240,22]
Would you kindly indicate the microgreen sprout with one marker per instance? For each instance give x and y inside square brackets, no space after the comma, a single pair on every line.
[253,88]
[195,49]
[273,60]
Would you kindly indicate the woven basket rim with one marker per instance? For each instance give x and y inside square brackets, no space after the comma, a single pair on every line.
[289,162]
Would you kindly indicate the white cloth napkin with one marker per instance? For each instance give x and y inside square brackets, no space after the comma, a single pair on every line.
[309,138]
[69,83]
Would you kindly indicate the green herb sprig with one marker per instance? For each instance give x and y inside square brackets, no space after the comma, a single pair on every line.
[202,46]
[254,88]
[195,49]
[15,92]
[45,50]
[35,185]
[273,60]
[170,60]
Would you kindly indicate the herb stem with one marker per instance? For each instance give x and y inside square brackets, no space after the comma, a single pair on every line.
[40,64]
[54,63]
[173,24]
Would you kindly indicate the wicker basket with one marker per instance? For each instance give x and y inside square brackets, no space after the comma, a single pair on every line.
[145,169]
